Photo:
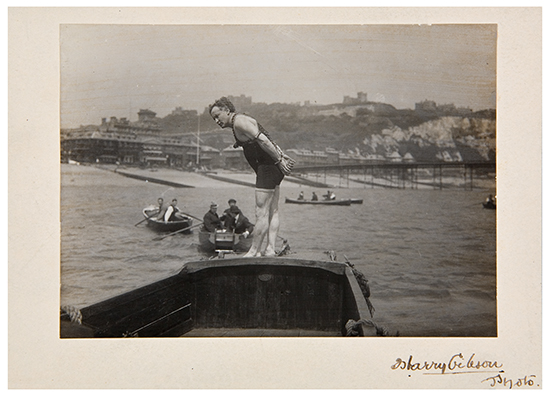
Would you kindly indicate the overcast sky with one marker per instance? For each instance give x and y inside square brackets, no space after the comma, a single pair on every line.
[116,70]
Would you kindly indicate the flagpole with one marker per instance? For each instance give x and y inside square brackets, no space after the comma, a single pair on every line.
[198,138]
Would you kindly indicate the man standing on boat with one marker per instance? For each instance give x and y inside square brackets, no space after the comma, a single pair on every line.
[270,164]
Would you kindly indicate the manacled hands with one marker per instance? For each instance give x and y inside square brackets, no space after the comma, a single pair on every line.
[286,164]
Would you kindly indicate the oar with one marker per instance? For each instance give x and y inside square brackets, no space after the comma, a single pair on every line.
[176,232]
[187,214]
[147,218]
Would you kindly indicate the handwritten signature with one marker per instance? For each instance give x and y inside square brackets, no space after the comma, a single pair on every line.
[457,364]
[508,383]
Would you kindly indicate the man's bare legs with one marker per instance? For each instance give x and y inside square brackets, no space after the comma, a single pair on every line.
[273,228]
[263,204]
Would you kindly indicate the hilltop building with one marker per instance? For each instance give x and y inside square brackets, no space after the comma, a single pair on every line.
[431,108]
[360,99]
[146,124]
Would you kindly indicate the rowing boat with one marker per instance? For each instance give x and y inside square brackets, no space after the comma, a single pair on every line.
[250,297]
[224,240]
[489,205]
[352,200]
[170,226]
[343,202]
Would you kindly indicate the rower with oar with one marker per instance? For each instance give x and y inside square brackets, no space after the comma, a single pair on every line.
[156,210]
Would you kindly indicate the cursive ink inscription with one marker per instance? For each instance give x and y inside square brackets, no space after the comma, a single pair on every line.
[457,364]
[509,383]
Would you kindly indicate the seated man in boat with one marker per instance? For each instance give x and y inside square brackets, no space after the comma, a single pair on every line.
[173,213]
[211,220]
[301,196]
[152,211]
[239,223]
[162,209]
[329,196]
[227,215]
[314,196]
[160,201]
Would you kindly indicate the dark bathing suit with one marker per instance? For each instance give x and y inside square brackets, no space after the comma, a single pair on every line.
[268,175]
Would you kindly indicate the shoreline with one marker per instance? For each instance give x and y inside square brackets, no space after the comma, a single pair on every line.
[221,177]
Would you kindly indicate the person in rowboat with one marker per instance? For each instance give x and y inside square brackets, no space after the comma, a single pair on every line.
[227,215]
[301,196]
[211,221]
[314,196]
[173,212]
[163,207]
[239,223]
[269,163]
[160,201]
[329,196]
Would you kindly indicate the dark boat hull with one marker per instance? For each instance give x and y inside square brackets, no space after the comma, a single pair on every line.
[343,202]
[489,205]
[207,241]
[267,296]
[170,226]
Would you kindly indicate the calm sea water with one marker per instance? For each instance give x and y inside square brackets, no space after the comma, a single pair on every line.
[429,255]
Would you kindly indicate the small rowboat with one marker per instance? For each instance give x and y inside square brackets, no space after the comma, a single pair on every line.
[159,225]
[358,201]
[489,205]
[343,202]
[238,297]
[224,240]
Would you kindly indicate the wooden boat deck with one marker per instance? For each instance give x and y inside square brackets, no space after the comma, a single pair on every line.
[231,332]
[238,297]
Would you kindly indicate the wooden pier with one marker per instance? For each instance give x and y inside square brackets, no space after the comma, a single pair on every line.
[405,175]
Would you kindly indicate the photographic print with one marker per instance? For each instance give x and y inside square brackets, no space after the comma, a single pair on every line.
[389,132]
[265,199]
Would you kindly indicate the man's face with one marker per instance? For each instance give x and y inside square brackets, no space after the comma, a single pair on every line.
[221,116]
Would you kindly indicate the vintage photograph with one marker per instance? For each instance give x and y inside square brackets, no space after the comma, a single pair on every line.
[319,180]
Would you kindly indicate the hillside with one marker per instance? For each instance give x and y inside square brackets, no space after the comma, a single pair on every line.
[370,128]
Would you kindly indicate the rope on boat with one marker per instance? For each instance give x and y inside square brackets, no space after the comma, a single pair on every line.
[352,328]
[285,249]
[361,280]
[73,313]
[365,288]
